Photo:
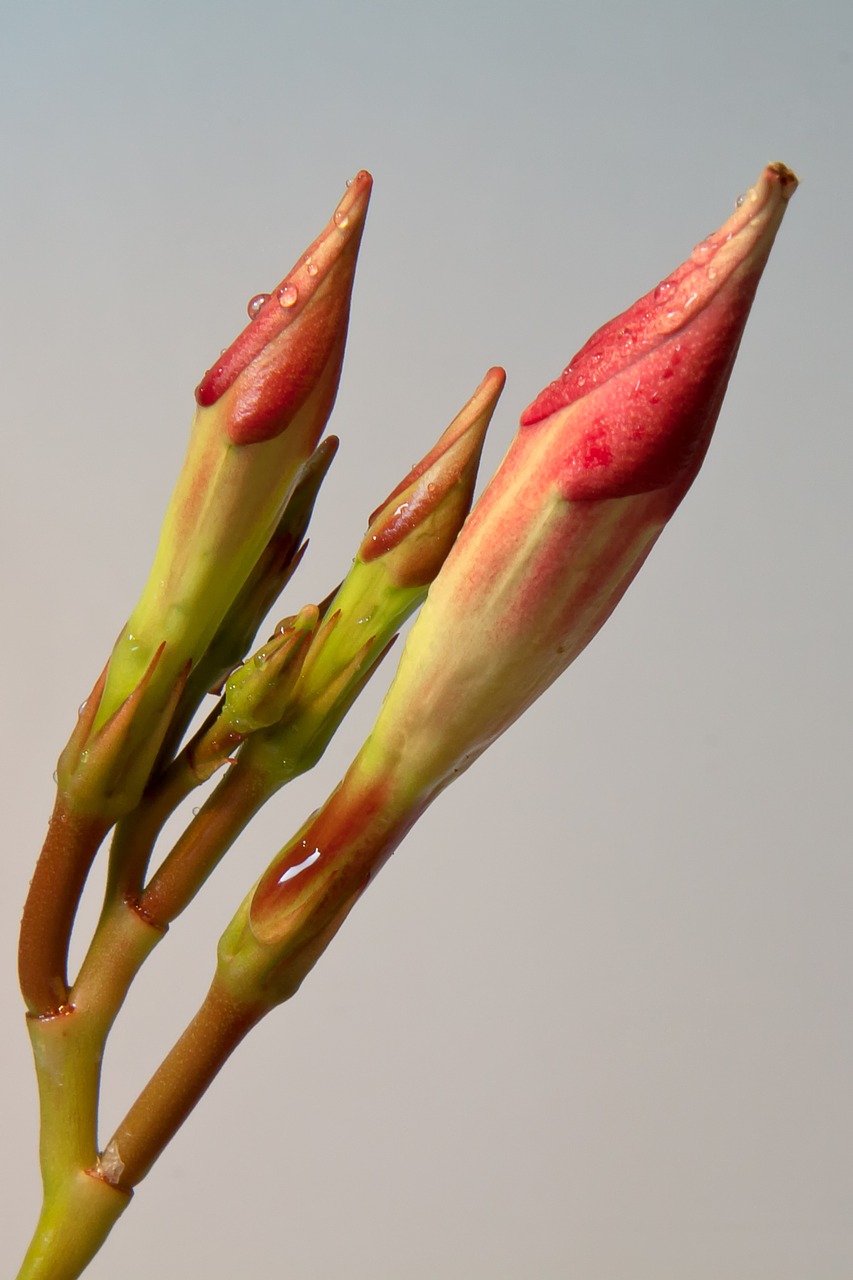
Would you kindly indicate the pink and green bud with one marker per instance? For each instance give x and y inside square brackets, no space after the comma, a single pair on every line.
[407,541]
[602,460]
[260,412]
[411,534]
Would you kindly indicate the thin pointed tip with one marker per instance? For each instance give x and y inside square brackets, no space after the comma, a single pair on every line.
[352,208]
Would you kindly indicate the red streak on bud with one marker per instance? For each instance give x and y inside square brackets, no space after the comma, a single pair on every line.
[278,359]
[435,496]
[640,399]
[272,389]
[334,857]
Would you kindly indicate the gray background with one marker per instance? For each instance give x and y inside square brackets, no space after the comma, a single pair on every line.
[594,1018]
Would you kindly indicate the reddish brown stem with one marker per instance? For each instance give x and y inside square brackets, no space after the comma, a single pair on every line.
[200,848]
[172,1093]
[136,834]
[72,841]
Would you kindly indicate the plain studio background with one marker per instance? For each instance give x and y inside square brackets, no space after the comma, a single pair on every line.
[593,1020]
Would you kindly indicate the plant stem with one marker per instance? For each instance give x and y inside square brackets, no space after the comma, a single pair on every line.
[69,849]
[75,1221]
[79,1206]
[173,1091]
[136,834]
[236,800]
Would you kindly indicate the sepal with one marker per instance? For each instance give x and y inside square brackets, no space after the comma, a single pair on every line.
[103,770]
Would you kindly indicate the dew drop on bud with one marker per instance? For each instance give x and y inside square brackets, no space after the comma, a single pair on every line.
[711,273]
[196,811]
[349,182]
[665,290]
[256,303]
[56,775]
[341,220]
[739,201]
[311,267]
[288,295]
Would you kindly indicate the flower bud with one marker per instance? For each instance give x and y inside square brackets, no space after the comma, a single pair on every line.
[260,412]
[602,460]
[406,543]
[277,564]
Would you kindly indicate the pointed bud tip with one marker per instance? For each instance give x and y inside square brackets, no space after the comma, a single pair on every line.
[642,396]
[278,311]
[430,504]
[787,179]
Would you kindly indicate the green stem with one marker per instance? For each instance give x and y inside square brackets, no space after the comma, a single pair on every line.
[75,1221]
[79,1206]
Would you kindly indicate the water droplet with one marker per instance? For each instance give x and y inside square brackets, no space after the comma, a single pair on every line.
[311,266]
[739,201]
[256,303]
[196,811]
[430,487]
[341,220]
[711,273]
[665,290]
[56,775]
[581,381]
[350,182]
[83,706]
[654,397]
[287,295]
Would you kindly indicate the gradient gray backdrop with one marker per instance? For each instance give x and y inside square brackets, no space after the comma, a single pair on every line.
[593,1021]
